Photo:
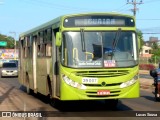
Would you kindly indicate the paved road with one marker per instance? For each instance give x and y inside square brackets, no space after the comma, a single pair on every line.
[14,98]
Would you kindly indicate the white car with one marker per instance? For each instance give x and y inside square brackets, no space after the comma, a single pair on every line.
[9,69]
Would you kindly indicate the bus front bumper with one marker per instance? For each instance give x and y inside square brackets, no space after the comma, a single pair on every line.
[90,93]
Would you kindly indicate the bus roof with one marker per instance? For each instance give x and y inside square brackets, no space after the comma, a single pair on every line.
[99,13]
[45,25]
[58,19]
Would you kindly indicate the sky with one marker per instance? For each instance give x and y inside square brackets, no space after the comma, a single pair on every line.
[18,16]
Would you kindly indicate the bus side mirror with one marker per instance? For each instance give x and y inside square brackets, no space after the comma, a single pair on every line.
[58,39]
[153,73]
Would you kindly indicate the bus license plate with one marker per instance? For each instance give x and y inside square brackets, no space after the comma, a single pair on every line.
[103,92]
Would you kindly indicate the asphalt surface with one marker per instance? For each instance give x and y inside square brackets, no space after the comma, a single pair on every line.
[146,80]
[14,98]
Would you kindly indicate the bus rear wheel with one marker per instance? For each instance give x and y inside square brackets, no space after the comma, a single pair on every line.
[54,102]
[111,104]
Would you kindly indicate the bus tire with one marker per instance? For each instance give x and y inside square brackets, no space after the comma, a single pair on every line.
[156,97]
[111,104]
[53,102]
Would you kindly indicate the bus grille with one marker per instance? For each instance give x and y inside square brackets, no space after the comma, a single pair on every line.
[102,73]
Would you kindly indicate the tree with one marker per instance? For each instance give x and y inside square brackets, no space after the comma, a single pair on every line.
[154,46]
[140,37]
[156,52]
[9,40]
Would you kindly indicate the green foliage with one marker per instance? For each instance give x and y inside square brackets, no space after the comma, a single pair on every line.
[156,53]
[9,40]
[140,37]
[154,46]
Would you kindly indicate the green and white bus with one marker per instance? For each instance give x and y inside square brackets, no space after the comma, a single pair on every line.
[89,56]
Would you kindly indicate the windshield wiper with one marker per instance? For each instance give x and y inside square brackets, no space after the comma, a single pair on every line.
[83,40]
[115,40]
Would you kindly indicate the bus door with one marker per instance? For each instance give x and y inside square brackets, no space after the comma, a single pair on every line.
[57,72]
[55,66]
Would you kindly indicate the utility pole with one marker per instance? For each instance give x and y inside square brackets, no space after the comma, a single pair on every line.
[134,3]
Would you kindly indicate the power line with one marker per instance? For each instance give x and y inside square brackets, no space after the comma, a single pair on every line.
[57,6]
[150,33]
[50,4]
[151,28]
[151,1]
[126,7]
[120,8]
[149,19]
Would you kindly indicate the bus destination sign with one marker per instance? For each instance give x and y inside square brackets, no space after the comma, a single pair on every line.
[93,21]
[97,22]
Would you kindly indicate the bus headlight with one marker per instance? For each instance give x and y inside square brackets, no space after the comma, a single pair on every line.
[3,71]
[130,82]
[73,83]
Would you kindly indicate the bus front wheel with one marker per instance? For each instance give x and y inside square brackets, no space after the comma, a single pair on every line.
[157,97]
[111,103]
[54,102]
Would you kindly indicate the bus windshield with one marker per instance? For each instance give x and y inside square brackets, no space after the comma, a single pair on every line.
[99,49]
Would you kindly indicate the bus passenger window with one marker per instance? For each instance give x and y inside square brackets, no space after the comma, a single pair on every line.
[42,50]
[49,35]
[48,50]
[41,38]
